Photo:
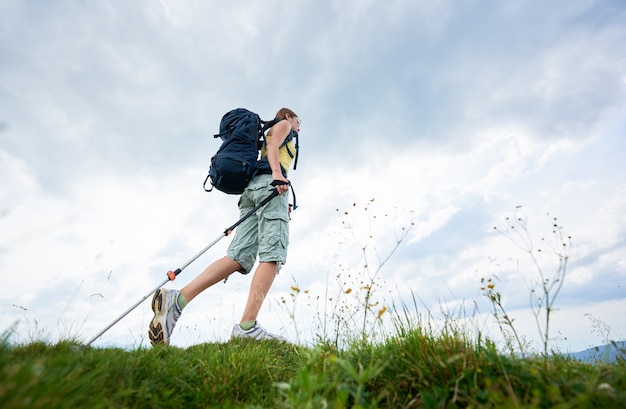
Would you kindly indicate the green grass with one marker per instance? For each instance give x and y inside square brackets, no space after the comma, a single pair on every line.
[412,370]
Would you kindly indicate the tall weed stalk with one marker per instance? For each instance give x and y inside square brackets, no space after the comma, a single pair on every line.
[369,309]
[544,287]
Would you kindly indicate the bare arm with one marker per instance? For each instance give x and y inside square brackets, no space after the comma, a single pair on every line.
[280,131]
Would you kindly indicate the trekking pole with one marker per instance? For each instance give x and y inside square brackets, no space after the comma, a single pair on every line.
[171,275]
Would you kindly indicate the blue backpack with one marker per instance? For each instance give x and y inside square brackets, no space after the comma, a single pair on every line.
[235,163]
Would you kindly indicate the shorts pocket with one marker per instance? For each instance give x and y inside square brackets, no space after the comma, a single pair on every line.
[274,236]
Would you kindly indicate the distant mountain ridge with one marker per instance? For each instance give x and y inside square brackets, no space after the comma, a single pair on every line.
[603,353]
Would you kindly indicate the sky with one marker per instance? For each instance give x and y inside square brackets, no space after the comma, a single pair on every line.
[425,124]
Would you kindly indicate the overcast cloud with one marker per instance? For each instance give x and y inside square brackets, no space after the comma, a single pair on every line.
[449,114]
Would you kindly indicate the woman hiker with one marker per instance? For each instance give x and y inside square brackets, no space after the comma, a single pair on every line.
[264,234]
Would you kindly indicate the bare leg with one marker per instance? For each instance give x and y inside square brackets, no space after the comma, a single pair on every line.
[214,273]
[260,286]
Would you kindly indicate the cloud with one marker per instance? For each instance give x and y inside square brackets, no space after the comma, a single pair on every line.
[447,114]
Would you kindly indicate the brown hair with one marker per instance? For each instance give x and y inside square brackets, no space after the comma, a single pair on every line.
[283,112]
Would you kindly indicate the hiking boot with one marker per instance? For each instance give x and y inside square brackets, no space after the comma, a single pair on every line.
[257,332]
[166,313]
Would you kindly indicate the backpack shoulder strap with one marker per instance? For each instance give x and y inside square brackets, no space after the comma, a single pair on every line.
[294,135]
[268,124]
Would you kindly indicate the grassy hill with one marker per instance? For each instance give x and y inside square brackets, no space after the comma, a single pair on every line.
[412,367]
[412,370]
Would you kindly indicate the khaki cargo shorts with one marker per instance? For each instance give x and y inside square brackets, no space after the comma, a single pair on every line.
[265,233]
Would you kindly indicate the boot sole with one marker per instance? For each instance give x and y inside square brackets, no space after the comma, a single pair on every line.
[156,332]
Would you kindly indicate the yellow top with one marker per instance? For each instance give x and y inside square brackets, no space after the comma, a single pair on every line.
[284,157]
